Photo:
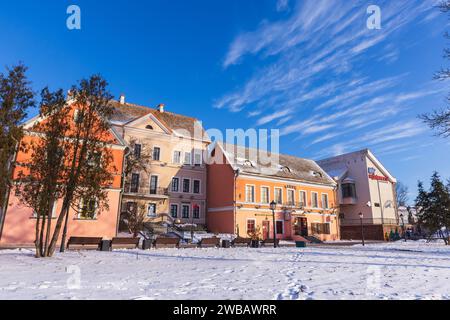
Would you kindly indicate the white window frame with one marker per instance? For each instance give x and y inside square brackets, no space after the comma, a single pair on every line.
[287,195]
[171,185]
[190,159]
[55,204]
[175,205]
[200,154]
[199,186]
[246,225]
[268,194]
[183,205]
[150,182]
[160,153]
[182,185]
[275,195]
[328,201]
[254,193]
[312,198]
[180,157]
[306,197]
[81,204]
[155,214]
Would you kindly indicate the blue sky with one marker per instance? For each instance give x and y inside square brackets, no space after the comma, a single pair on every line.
[309,68]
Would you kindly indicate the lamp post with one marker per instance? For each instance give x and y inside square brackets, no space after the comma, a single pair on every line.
[403,225]
[361,216]
[273,206]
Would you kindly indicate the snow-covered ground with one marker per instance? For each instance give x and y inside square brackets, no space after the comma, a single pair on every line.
[379,271]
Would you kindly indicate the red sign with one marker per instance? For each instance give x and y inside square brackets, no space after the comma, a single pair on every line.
[378,178]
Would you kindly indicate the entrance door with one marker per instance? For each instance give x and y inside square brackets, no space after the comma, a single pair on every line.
[301,227]
[266,230]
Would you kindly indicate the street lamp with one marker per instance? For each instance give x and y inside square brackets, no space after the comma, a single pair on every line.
[361,216]
[403,225]
[273,206]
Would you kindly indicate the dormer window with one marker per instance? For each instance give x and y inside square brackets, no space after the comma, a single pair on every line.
[286,170]
[316,174]
[149,127]
[78,116]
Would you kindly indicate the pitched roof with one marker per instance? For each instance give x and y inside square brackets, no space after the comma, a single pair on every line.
[127,112]
[251,161]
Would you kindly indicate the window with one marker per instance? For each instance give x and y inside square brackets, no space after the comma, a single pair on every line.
[153,184]
[280,227]
[251,226]
[187,158]
[174,210]
[186,185]
[291,197]
[197,186]
[156,153]
[134,186]
[88,209]
[185,213]
[320,228]
[78,116]
[349,190]
[196,211]
[149,127]
[197,158]
[137,151]
[325,204]
[314,200]
[175,184]
[278,195]
[94,159]
[303,200]
[151,210]
[265,194]
[250,194]
[177,157]
[131,207]
[53,211]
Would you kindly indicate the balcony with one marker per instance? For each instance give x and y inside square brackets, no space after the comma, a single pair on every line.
[369,221]
[146,192]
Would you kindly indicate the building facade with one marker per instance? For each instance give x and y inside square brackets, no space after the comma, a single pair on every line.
[365,187]
[19,221]
[173,184]
[241,188]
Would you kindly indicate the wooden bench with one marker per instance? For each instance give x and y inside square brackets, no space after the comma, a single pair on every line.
[269,242]
[209,243]
[241,242]
[124,243]
[84,243]
[166,242]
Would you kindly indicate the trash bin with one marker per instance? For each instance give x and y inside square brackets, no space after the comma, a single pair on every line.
[226,243]
[147,244]
[105,245]
[254,244]
[300,244]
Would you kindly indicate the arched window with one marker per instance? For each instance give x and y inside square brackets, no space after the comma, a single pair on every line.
[149,127]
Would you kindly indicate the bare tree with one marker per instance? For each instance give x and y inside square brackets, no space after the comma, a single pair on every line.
[401,191]
[439,120]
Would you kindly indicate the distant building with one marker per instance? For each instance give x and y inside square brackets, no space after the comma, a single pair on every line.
[367,187]
[241,188]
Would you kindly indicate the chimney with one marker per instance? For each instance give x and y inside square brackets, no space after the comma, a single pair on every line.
[122,99]
[161,107]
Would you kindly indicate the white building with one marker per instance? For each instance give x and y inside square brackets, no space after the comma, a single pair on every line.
[367,187]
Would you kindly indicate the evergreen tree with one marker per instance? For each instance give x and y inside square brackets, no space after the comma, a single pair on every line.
[433,207]
[16,97]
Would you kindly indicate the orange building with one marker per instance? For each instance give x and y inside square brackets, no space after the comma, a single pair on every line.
[17,225]
[241,188]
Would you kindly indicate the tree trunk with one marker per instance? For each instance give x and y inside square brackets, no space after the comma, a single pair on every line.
[36,241]
[64,235]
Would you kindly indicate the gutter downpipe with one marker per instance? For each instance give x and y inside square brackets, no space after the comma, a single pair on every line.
[236,227]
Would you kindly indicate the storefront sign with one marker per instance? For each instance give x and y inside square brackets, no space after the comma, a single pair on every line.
[378,178]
